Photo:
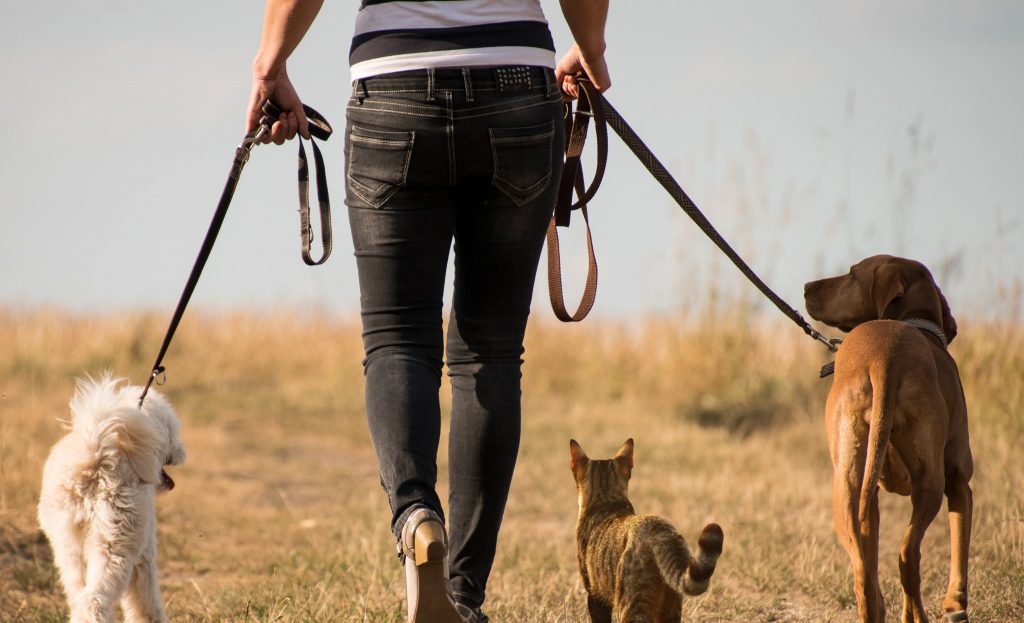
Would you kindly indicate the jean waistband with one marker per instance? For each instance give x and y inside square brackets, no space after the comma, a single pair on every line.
[506,78]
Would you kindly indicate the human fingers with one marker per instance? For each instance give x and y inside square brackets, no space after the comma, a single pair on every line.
[288,101]
[303,124]
[565,65]
[293,125]
[279,130]
[570,90]
[566,69]
[285,128]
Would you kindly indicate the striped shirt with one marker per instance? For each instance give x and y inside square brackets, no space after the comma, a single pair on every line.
[397,35]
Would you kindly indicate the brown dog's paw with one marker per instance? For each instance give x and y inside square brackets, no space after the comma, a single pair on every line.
[960,616]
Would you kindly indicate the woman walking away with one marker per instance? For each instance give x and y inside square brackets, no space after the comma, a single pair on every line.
[454,133]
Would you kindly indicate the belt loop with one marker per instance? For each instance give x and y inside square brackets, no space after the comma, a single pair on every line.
[430,84]
[468,82]
[359,90]
[547,79]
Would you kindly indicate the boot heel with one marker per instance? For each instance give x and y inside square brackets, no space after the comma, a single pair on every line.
[429,543]
[424,545]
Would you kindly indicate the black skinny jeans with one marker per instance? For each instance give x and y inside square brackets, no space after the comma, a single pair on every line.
[472,155]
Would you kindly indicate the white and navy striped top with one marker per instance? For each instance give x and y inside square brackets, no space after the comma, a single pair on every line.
[397,35]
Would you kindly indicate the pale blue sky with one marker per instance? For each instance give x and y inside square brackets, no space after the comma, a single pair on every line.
[812,133]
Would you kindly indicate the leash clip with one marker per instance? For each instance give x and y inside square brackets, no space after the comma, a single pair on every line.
[158,371]
[251,141]
[831,344]
[258,137]
[270,110]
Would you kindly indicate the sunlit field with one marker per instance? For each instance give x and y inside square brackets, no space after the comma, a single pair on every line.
[278,514]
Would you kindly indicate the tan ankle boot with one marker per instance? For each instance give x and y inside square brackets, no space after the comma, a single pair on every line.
[426,548]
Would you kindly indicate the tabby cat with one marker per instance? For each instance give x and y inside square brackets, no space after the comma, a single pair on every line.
[635,567]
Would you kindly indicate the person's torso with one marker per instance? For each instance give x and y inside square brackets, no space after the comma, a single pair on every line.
[399,35]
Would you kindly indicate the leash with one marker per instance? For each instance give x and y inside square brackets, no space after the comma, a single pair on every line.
[319,128]
[593,105]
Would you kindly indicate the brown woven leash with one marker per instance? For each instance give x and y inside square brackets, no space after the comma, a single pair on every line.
[576,125]
[593,104]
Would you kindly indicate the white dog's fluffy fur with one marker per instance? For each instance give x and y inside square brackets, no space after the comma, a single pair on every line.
[97,505]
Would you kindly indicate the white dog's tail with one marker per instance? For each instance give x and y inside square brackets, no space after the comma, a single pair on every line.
[108,419]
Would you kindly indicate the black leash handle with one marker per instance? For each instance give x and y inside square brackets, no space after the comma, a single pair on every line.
[318,127]
[321,129]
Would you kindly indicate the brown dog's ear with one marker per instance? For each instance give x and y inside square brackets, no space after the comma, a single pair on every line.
[948,322]
[577,457]
[624,457]
[886,287]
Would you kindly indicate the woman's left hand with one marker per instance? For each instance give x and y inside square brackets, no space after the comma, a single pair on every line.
[279,90]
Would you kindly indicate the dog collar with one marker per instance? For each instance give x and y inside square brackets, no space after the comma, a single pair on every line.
[917,323]
[930,327]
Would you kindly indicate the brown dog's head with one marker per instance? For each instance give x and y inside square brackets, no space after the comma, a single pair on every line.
[879,287]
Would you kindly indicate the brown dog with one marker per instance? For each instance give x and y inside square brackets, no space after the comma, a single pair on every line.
[896,415]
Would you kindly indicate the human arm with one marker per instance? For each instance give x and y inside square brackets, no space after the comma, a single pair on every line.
[586,20]
[285,22]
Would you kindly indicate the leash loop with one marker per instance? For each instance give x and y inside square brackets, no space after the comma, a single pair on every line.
[324,201]
[571,182]
[321,129]
[555,269]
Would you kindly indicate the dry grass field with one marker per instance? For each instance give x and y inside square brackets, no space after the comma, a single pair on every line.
[278,515]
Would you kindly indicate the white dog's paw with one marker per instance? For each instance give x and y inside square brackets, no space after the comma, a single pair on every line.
[960,616]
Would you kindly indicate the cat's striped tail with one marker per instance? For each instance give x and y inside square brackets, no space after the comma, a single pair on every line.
[702,566]
[691,574]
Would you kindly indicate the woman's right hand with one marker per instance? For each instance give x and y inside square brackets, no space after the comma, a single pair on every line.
[576,61]
[278,89]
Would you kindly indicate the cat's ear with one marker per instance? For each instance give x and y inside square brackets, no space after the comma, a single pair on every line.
[625,453]
[577,457]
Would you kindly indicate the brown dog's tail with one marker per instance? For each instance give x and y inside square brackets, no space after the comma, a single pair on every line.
[879,429]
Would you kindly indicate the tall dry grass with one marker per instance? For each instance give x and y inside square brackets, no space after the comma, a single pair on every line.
[278,515]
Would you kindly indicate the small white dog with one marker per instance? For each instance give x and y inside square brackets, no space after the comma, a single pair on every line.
[97,504]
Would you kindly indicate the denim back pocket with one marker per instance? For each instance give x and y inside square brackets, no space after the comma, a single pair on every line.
[522,160]
[378,163]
